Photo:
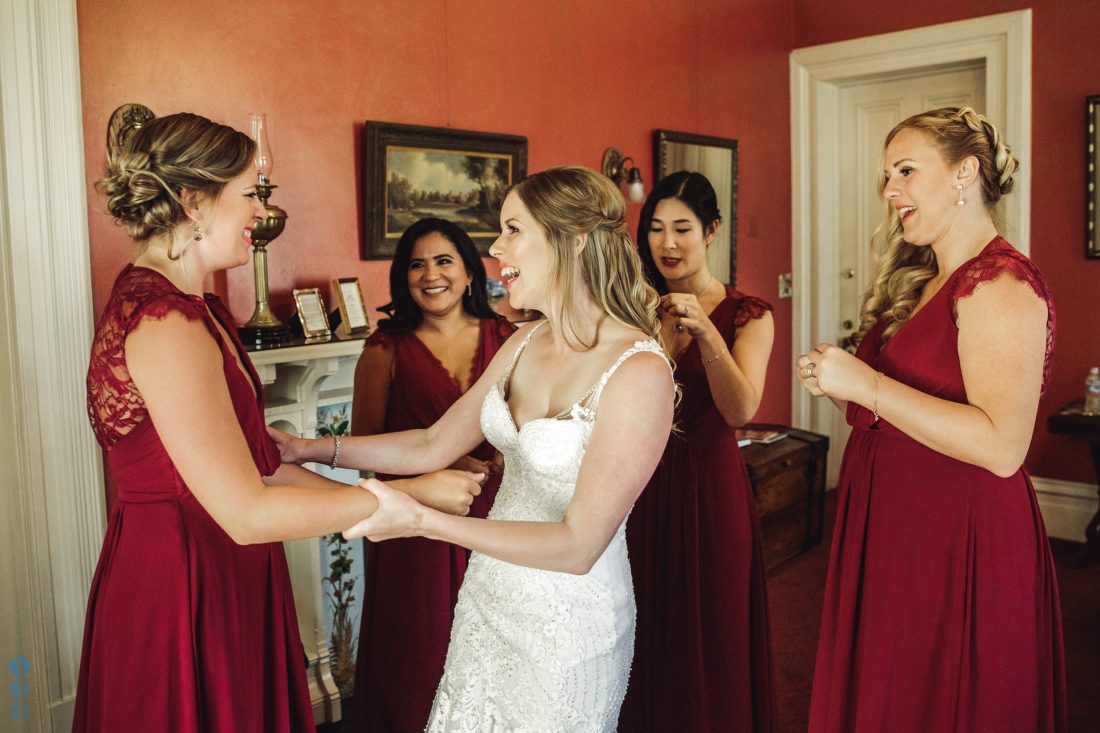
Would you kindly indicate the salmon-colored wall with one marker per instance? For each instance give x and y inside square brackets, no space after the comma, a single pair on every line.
[573,76]
[1065,70]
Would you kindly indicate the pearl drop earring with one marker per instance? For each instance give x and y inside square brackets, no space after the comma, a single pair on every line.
[961,201]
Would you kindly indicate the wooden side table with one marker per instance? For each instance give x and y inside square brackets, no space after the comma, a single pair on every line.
[788,481]
[1071,421]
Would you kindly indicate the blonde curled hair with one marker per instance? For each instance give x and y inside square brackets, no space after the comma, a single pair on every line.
[152,160]
[569,202]
[903,269]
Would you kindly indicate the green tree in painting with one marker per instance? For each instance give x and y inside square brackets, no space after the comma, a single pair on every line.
[399,193]
[491,175]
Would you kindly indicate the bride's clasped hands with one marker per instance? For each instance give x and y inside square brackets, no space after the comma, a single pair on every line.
[450,490]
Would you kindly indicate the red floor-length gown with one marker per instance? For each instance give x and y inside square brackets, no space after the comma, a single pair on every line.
[412,584]
[702,661]
[941,606]
[186,630]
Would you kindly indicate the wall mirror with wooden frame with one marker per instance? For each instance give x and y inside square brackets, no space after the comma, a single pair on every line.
[715,158]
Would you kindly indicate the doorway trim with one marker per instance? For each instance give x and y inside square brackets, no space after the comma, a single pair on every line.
[52,489]
[1001,42]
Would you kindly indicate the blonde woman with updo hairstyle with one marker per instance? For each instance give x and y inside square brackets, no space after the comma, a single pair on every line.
[941,606]
[580,405]
[190,623]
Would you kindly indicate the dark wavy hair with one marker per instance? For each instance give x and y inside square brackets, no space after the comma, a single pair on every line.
[689,187]
[402,311]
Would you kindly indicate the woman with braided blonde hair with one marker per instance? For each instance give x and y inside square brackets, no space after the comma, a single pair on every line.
[190,623]
[941,608]
[543,633]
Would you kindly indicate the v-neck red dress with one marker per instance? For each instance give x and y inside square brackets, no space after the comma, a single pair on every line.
[703,652]
[412,584]
[186,630]
[941,606]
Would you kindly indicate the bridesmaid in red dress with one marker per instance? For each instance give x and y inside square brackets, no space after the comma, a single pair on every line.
[190,622]
[440,336]
[941,606]
[703,652]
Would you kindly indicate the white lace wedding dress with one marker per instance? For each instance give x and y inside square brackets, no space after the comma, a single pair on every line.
[537,651]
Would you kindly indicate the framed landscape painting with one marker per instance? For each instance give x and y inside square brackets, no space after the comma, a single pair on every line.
[411,172]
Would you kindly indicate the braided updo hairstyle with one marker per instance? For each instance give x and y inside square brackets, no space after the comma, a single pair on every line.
[903,269]
[152,160]
[573,201]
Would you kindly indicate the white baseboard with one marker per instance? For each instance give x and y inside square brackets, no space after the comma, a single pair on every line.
[1067,506]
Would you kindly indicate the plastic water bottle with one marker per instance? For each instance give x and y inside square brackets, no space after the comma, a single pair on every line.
[1092,392]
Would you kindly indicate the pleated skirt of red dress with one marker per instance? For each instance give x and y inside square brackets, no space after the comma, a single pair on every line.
[188,631]
[941,607]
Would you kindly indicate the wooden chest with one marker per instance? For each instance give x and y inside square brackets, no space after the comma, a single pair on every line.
[788,479]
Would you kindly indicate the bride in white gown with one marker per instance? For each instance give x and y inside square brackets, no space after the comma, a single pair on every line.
[580,405]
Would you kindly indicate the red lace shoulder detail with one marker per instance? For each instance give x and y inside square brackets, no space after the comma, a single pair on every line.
[115,406]
[504,328]
[747,307]
[380,338]
[1000,257]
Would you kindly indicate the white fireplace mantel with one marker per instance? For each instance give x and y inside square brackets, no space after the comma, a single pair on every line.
[297,380]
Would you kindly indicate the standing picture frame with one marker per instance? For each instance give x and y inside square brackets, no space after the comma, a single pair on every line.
[353,312]
[312,314]
[411,172]
[1092,183]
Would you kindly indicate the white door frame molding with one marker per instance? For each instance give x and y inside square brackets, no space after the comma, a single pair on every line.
[52,484]
[1002,42]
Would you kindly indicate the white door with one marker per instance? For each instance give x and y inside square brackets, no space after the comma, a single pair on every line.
[869,109]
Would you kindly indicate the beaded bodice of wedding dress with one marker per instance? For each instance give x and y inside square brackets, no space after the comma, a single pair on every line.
[536,650]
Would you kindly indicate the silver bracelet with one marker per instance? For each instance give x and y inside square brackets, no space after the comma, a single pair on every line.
[335,452]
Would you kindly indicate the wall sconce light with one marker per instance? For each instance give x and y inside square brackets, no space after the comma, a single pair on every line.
[618,168]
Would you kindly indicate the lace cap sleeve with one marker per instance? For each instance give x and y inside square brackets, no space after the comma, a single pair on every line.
[748,308]
[999,258]
[380,338]
[159,308]
[504,329]
[115,406]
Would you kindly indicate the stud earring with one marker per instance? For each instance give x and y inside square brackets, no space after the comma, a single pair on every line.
[198,233]
[961,201]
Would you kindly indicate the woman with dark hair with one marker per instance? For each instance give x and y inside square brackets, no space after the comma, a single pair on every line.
[439,337]
[703,658]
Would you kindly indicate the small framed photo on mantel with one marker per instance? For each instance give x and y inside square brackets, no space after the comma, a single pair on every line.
[353,313]
[312,313]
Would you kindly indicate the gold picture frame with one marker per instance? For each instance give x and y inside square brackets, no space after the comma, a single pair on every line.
[312,314]
[353,311]
[1092,180]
